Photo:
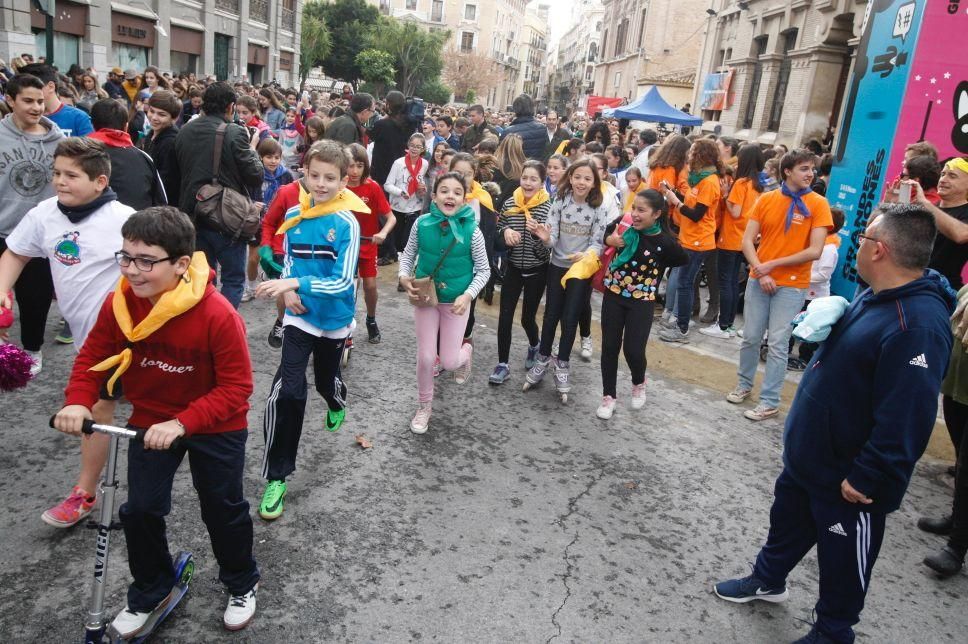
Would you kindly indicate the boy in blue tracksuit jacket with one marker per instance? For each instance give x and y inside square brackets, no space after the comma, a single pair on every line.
[861,419]
[322,246]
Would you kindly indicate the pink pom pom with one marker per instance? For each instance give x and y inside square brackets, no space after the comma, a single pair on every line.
[14,367]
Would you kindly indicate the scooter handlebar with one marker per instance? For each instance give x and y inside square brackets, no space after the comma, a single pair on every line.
[89,427]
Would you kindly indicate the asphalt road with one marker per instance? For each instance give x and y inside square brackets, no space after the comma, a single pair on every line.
[514,519]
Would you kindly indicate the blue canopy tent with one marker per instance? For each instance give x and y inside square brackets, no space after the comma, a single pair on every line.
[652,108]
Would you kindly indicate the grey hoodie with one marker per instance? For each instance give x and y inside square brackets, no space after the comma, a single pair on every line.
[26,170]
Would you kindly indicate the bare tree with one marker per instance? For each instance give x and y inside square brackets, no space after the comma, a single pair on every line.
[470,71]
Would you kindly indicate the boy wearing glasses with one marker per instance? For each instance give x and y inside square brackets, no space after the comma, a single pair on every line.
[78,230]
[180,349]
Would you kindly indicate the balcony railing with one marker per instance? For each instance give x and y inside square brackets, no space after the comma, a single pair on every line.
[232,6]
[259,10]
[288,19]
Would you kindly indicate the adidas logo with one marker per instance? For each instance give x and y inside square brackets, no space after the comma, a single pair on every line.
[838,529]
[919,361]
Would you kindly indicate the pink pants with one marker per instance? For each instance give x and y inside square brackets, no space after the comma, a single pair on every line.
[431,320]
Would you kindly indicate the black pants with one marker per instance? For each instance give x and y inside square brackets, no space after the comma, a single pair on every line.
[562,305]
[807,349]
[847,538]
[286,406]
[216,462]
[401,232]
[532,283]
[626,324]
[956,419]
[585,320]
[34,290]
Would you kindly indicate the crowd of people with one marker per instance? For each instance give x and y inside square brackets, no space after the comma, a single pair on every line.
[291,196]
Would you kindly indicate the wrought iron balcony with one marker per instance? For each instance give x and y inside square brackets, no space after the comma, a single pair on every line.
[232,6]
[259,10]
[288,19]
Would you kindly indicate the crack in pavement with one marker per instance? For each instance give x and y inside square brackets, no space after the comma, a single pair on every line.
[569,566]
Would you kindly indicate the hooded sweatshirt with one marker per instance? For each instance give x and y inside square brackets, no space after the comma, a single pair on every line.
[26,170]
[133,173]
[867,403]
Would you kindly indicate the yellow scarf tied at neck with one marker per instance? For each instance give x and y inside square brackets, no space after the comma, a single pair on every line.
[629,200]
[584,268]
[345,200]
[170,305]
[483,196]
[522,207]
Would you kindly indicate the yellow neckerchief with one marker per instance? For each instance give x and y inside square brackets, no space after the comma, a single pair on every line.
[171,304]
[524,207]
[345,200]
[561,146]
[482,195]
[630,199]
[584,268]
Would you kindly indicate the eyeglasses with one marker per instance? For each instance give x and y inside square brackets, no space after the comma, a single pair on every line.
[862,236]
[143,264]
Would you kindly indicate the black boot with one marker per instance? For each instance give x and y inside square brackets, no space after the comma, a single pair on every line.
[941,525]
[947,562]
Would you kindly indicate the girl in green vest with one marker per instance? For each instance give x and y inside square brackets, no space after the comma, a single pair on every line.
[446,245]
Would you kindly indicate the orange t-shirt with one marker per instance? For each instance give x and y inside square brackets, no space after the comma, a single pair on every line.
[701,235]
[679,183]
[731,230]
[775,241]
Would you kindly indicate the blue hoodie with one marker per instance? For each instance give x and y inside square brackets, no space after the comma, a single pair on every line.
[868,401]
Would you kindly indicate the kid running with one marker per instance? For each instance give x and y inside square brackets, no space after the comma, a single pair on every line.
[275,176]
[527,269]
[631,282]
[180,351]
[322,247]
[371,194]
[446,246]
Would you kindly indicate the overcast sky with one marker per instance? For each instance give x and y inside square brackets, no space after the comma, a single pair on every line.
[559,18]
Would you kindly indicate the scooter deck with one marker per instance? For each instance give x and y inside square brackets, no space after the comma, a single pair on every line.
[184,569]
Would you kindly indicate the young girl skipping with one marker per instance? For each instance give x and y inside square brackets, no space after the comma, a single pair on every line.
[447,246]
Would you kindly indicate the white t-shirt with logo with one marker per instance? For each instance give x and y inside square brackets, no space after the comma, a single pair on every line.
[81,257]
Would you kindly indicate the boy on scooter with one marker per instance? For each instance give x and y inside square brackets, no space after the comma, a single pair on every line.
[179,349]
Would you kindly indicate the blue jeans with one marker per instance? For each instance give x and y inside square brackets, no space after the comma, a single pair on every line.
[686,281]
[220,251]
[671,286]
[729,263]
[763,312]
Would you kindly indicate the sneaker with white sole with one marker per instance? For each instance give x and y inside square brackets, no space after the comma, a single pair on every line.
[761,412]
[714,331]
[674,335]
[421,420]
[738,395]
[463,372]
[586,348]
[607,408]
[71,510]
[747,589]
[276,335]
[638,396]
[240,610]
[248,294]
[38,362]
[128,622]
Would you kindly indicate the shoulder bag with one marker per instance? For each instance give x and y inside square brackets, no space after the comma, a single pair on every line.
[222,208]
[426,289]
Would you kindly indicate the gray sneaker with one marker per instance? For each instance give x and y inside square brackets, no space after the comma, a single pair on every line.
[674,335]
[500,374]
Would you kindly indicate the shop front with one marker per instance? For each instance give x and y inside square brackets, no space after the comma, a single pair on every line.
[69,28]
[258,63]
[186,50]
[132,41]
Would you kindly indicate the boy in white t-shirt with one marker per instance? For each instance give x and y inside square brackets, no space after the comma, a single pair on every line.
[79,231]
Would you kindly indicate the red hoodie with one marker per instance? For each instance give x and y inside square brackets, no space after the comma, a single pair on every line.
[112,138]
[195,368]
[285,198]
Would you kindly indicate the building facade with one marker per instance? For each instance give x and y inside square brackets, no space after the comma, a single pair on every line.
[650,42]
[532,49]
[775,72]
[494,28]
[571,71]
[255,40]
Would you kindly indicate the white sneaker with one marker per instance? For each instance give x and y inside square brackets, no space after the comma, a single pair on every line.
[738,395]
[128,622]
[248,294]
[638,396]
[38,364]
[463,372]
[607,408]
[586,348]
[713,331]
[240,610]
[421,420]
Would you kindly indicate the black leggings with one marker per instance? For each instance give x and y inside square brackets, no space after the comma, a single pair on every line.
[562,305]
[956,420]
[34,290]
[401,232]
[532,283]
[629,318]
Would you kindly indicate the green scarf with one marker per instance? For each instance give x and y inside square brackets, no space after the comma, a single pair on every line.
[696,177]
[457,221]
[631,237]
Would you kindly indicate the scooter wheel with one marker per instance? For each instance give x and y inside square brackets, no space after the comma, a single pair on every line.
[564,399]
[526,387]
[187,573]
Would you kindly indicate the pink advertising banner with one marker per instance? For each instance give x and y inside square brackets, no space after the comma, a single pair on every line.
[935,106]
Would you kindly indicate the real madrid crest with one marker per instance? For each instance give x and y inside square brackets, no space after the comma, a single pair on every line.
[331,235]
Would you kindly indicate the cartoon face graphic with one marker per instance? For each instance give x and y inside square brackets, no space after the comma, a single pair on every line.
[959,133]
[67,250]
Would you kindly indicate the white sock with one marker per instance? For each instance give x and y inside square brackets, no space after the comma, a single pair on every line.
[252,284]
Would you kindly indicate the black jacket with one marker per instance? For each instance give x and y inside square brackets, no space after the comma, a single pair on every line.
[562,134]
[346,129]
[161,149]
[241,168]
[534,136]
[135,179]
[389,136]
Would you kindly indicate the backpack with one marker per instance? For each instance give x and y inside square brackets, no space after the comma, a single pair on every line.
[416,111]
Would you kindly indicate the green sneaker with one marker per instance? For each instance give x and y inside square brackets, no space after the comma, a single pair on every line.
[271,507]
[334,419]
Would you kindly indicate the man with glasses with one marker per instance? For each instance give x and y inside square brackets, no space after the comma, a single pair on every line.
[350,128]
[862,417]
